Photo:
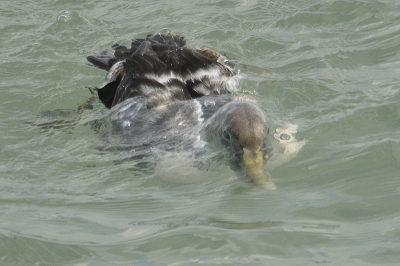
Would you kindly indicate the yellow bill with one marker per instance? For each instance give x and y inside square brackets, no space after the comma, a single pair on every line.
[253,161]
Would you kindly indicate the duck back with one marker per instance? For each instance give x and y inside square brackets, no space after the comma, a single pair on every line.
[162,69]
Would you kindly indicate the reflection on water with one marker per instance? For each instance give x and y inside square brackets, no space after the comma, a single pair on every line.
[330,68]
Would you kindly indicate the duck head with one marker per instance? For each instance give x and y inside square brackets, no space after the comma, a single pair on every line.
[240,127]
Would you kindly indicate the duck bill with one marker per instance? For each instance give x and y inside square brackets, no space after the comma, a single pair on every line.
[253,161]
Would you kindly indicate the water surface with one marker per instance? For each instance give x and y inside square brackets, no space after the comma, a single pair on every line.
[331,67]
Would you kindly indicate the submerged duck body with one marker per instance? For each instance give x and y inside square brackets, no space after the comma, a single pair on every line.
[165,95]
[233,125]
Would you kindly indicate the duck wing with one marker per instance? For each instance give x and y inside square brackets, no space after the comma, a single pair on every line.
[162,69]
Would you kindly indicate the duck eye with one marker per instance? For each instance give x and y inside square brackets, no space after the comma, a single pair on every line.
[226,135]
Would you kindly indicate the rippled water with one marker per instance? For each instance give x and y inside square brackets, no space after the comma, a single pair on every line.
[331,67]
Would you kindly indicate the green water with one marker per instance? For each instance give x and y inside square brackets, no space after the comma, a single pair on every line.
[331,67]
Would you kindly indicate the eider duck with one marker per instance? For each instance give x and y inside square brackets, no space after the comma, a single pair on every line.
[160,91]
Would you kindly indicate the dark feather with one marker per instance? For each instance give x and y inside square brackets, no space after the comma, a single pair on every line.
[102,60]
